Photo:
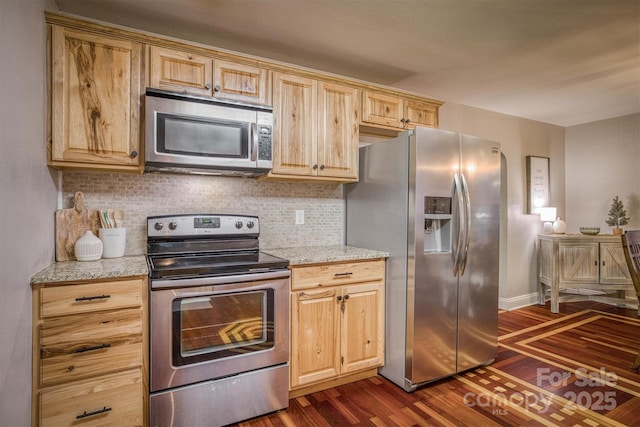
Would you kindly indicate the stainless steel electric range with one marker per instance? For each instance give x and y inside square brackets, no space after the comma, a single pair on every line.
[219,321]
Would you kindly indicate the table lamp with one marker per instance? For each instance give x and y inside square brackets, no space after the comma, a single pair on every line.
[548,215]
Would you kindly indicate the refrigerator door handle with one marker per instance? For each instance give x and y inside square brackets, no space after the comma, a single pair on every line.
[457,190]
[467,223]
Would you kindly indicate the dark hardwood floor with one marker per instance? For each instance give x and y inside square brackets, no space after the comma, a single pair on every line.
[565,369]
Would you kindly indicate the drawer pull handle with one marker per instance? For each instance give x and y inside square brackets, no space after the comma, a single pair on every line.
[92,298]
[86,414]
[348,273]
[95,347]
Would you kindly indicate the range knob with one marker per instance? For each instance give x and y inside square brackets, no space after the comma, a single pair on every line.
[238,224]
[158,226]
[173,225]
[250,224]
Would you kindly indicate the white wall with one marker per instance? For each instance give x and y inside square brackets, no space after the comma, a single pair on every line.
[518,138]
[602,161]
[27,196]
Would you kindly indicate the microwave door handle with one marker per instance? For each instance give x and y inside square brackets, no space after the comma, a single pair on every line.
[254,141]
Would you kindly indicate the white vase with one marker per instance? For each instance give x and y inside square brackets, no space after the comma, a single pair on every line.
[559,226]
[88,247]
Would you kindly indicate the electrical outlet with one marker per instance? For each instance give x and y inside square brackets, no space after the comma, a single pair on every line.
[299,217]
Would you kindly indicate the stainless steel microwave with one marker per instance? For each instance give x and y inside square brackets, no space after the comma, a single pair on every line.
[193,134]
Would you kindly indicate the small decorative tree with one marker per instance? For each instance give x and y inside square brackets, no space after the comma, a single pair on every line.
[617,215]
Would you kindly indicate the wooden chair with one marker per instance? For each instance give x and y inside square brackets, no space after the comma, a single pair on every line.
[631,246]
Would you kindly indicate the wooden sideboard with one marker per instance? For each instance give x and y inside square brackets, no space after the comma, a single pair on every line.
[576,267]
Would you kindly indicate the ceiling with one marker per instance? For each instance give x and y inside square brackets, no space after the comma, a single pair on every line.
[563,62]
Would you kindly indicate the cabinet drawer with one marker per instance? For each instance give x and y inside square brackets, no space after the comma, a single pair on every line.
[112,400]
[77,347]
[336,274]
[90,297]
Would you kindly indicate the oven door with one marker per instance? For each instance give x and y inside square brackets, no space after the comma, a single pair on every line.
[226,327]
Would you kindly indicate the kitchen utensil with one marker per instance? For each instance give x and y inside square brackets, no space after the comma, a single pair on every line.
[105,215]
[112,220]
[103,224]
[118,216]
[73,223]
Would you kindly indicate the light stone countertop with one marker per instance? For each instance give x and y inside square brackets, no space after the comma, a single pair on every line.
[130,266]
[324,254]
[75,271]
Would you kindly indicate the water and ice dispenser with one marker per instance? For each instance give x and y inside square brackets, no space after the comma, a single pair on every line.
[437,224]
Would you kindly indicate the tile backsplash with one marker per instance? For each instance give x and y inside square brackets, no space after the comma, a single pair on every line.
[275,203]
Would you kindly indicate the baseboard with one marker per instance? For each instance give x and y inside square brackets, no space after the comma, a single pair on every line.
[517,302]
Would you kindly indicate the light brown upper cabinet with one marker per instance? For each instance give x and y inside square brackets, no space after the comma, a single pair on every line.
[395,112]
[187,72]
[315,130]
[95,101]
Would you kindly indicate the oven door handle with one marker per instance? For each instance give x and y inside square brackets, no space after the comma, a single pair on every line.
[218,280]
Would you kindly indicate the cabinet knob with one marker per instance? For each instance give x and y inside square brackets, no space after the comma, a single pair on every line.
[134,154]
[407,121]
[315,167]
[217,88]
[322,167]
[339,297]
[346,297]
[207,85]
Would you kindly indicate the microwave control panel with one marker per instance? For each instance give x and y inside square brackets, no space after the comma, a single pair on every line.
[264,142]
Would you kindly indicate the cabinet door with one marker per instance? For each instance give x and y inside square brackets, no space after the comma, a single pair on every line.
[613,265]
[295,131]
[382,109]
[241,82]
[314,336]
[338,131]
[420,114]
[578,262]
[95,100]
[362,340]
[180,71]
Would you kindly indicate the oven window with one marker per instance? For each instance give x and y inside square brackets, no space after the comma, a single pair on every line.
[199,137]
[222,325]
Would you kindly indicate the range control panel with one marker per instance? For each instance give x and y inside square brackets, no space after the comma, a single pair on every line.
[200,225]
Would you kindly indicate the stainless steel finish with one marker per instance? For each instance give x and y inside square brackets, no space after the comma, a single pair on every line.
[194,225]
[232,399]
[220,280]
[219,321]
[165,375]
[441,305]
[258,143]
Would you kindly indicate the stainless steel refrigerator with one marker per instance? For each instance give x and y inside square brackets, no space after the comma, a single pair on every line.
[431,198]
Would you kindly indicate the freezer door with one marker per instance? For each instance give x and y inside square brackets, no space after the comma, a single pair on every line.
[432,291]
[478,284]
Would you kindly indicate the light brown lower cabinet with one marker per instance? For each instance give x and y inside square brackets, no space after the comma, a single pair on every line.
[337,324]
[89,353]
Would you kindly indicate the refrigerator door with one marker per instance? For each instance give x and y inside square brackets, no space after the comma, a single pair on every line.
[478,282]
[432,288]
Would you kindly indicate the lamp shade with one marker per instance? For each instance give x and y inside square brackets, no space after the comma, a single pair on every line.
[548,214]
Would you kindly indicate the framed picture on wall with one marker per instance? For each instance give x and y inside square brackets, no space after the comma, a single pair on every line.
[537,183]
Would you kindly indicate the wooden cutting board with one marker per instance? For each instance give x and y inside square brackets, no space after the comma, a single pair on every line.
[71,224]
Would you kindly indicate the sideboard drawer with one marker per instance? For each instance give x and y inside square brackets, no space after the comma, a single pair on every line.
[115,400]
[90,297]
